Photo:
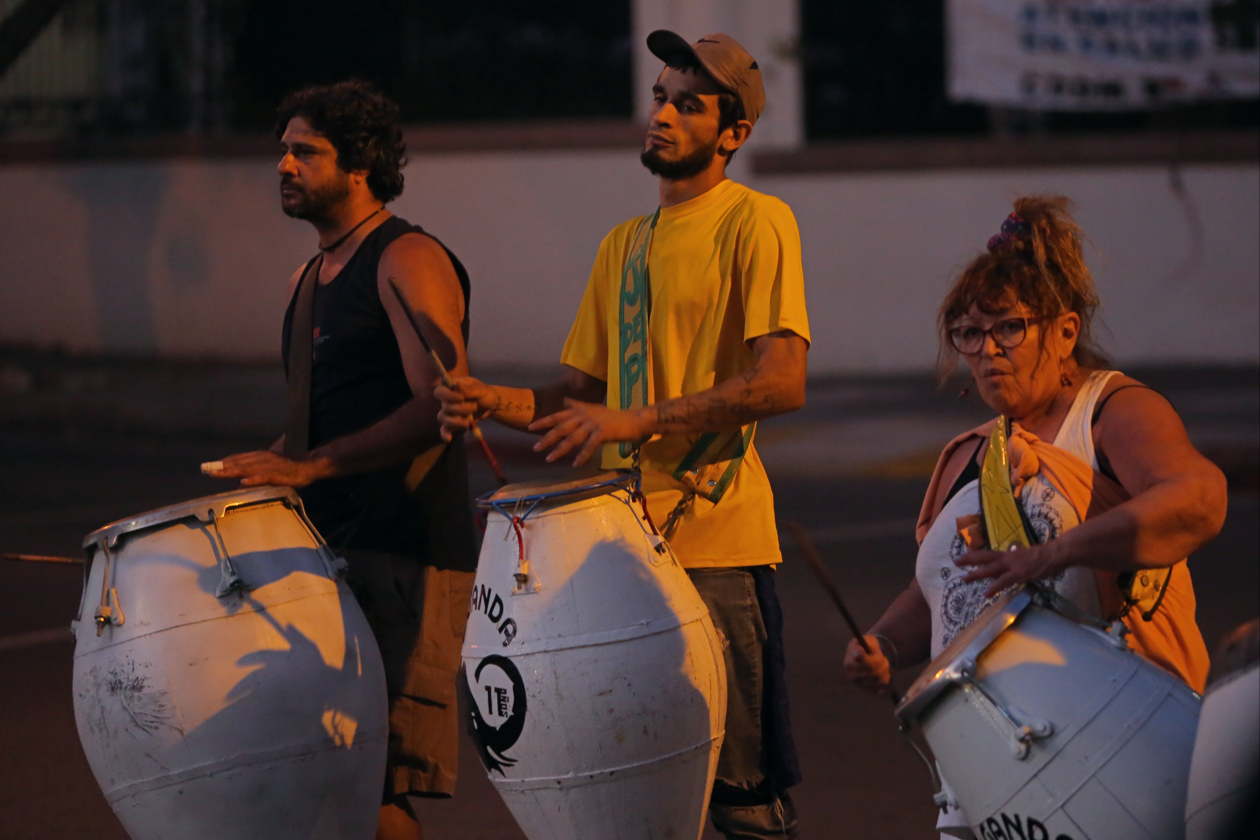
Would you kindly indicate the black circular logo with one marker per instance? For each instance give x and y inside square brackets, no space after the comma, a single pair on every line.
[497,710]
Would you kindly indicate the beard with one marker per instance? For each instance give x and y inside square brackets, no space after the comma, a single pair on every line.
[315,204]
[685,167]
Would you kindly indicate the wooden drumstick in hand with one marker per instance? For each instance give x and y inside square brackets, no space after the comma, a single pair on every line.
[820,571]
[447,381]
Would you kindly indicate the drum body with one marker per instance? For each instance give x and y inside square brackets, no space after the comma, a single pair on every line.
[1226,751]
[596,679]
[1050,728]
[230,686]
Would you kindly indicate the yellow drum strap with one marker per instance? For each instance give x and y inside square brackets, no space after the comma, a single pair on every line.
[1007,527]
[1003,519]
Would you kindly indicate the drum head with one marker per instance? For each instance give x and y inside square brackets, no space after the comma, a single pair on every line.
[966,646]
[563,492]
[200,509]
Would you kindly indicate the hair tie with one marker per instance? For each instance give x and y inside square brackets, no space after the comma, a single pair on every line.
[1014,229]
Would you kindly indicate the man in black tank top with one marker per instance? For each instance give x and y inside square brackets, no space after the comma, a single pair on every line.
[362,440]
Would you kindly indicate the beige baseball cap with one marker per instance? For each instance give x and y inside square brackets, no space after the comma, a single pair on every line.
[723,58]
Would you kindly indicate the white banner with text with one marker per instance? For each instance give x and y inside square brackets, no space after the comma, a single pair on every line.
[1097,55]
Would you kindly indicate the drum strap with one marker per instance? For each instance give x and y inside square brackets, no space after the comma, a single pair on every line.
[1007,525]
[301,346]
[714,457]
[633,310]
[297,424]
[1004,517]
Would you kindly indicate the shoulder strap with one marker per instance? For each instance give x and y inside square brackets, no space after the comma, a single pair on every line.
[297,424]
[1104,463]
[634,306]
[970,473]
[710,464]
[395,227]
[1098,409]
[1004,517]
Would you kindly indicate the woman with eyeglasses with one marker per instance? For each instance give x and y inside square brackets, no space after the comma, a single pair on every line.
[1112,488]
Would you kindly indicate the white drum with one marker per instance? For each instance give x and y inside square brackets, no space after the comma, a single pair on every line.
[226,683]
[598,689]
[1227,750]
[1050,728]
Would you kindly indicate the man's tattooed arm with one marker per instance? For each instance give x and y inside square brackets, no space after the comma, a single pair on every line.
[774,384]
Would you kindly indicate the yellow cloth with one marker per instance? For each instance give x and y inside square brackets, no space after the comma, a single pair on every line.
[725,268]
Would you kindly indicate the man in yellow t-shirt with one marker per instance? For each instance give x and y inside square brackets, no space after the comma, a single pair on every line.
[692,328]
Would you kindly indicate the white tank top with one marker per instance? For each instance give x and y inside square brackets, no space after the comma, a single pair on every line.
[955,604]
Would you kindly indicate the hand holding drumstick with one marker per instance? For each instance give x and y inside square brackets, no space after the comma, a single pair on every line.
[864,660]
[448,382]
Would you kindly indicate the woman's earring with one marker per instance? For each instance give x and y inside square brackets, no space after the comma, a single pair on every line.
[1065,380]
[965,391]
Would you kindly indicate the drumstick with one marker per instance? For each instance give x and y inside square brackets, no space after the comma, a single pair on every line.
[43,558]
[820,571]
[447,381]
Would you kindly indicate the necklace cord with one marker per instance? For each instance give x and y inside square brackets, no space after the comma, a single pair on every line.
[328,249]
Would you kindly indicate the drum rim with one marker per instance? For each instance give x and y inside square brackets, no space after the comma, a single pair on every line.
[199,508]
[931,683]
[603,484]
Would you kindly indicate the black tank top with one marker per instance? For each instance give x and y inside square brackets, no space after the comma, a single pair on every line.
[357,379]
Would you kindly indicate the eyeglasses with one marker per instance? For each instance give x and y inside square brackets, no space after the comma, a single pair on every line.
[1007,333]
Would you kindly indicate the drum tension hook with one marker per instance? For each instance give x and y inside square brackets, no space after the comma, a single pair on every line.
[522,573]
[109,612]
[1006,718]
[229,580]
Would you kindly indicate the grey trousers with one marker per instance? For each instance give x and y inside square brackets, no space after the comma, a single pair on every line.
[746,805]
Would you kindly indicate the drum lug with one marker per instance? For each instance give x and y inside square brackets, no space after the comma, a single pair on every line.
[1036,731]
[660,550]
[522,575]
[335,565]
[1021,735]
[229,582]
[1116,634]
[109,612]
[945,799]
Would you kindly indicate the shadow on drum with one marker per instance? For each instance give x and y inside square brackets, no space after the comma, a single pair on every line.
[261,713]
[620,676]
[290,687]
[298,692]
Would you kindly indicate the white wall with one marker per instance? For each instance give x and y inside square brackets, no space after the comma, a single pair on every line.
[191,257]
[881,250]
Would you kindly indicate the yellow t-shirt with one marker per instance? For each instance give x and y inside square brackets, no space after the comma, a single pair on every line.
[725,268]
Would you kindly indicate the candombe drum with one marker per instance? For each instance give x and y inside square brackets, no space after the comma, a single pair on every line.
[1224,766]
[1048,727]
[226,683]
[596,680]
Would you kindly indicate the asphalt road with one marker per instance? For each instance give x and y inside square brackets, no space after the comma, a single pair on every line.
[861,781]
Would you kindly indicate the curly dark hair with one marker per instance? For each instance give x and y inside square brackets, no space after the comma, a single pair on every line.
[1044,269]
[359,122]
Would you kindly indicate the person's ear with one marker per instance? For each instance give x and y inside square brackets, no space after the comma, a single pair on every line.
[734,137]
[1069,331]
